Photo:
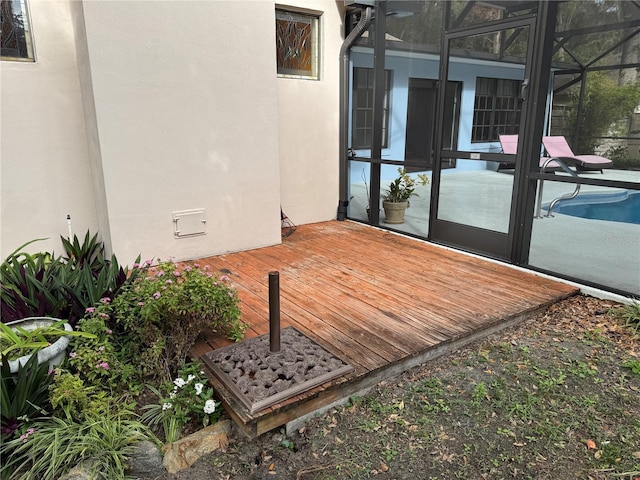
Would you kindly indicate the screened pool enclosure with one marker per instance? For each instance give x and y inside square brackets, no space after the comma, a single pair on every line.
[428,87]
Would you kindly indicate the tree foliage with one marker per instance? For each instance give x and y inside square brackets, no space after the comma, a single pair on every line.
[605,111]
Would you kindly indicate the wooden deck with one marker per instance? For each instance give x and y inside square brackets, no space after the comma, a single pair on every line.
[381,302]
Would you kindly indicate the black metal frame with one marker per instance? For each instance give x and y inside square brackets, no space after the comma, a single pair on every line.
[544,42]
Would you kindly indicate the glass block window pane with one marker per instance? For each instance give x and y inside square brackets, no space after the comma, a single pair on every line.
[16,32]
[496,110]
[362,114]
[297,44]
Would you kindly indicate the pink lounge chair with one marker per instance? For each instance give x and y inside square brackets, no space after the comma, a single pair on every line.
[509,144]
[558,147]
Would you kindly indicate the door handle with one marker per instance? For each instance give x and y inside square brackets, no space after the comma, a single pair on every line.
[523,89]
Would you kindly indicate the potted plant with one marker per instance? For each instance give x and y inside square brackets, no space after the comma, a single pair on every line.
[396,198]
[46,337]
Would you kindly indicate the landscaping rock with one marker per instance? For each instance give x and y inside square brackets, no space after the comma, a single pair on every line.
[146,461]
[82,471]
[186,451]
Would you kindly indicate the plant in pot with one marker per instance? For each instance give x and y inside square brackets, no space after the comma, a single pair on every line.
[45,337]
[396,198]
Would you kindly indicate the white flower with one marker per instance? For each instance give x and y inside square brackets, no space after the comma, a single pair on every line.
[179,382]
[190,377]
[172,394]
[198,387]
[166,406]
[209,407]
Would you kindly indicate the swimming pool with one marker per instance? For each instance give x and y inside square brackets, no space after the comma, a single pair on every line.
[621,206]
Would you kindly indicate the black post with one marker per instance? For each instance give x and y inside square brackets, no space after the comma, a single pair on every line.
[274,312]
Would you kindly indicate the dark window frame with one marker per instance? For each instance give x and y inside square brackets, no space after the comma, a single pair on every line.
[497,108]
[362,108]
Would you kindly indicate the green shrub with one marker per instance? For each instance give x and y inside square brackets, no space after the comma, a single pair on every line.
[54,445]
[160,315]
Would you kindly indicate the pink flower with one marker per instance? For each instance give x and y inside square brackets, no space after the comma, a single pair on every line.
[156,295]
[187,268]
[169,282]
[196,265]
[209,275]
[104,316]
[90,310]
[176,273]
[105,300]
[160,273]
[207,267]
[140,304]
[224,278]
[135,265]
[104,365]
[100,349]
[231,294]
[73,355]
[109,332]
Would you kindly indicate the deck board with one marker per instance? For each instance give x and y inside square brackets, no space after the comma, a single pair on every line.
[380,301]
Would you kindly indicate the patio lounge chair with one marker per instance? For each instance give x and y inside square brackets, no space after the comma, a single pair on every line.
[509,144]
[558,147]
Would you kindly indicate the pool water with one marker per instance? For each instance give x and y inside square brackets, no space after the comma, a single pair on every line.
[615,207]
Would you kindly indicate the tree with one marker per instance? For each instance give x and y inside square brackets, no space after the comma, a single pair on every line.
[605,110]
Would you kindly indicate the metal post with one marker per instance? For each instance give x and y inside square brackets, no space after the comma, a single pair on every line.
[274,312]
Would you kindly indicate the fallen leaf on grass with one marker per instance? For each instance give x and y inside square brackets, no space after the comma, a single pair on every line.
[519,444]
[636,454]
[591,445]
[597,455]
[384,467]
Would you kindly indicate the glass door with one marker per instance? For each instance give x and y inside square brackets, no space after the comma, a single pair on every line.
[473,204]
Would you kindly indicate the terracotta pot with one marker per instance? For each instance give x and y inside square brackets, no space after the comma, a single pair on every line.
[394,211]
[54,354]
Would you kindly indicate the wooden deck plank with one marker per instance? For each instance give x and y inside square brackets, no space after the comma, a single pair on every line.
[380,301]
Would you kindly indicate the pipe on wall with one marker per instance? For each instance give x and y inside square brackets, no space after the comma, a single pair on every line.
[349,41]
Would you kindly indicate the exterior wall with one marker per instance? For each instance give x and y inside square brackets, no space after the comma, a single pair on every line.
[308,124]
[135,110]
[44,172]
[185,100]
[403,68]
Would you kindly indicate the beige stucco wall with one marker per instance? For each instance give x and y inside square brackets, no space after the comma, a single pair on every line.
[185,99]
[308,125]
[43,168]
[136,109]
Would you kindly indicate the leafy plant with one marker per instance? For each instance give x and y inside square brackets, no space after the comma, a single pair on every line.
[20,341]
[403,187]
[23,394]
[56,444]
[97,360]
[87,276]
[37,285]
[162,313]
[28,288]
[630,313]
[187,399]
